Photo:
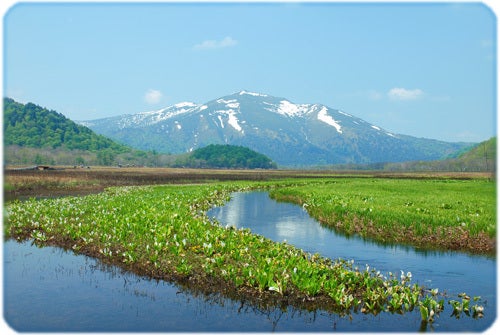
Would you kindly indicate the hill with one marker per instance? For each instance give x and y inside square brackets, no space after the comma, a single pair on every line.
[225,156]
[484,152]
[293,135]
[33,126]
[36,135]
[480,157]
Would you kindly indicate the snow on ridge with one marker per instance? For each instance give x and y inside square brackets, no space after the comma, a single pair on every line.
[153,112]
[253,94]
[290,109]
[344,113]
[185,104]
[323,116]
[152,117]
[222,101]
[233,103]
[386,132]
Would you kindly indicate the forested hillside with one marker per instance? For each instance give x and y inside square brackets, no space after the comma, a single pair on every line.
[36,135]
[225,156]
[478,158]
[34,126]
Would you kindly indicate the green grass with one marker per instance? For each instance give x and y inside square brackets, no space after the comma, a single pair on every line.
[450,214]
[163,232]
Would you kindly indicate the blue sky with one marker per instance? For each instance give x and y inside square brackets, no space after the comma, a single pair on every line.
[421,69]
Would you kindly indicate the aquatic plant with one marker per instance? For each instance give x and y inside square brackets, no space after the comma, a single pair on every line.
[465,307]
[163,232]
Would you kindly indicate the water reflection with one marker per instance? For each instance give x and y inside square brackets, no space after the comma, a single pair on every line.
[47,289]
[51,290]
[448,271]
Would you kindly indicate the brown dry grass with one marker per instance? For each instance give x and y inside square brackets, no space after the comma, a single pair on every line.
[64,180]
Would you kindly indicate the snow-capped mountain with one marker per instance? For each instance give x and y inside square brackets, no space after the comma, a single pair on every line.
[291,134]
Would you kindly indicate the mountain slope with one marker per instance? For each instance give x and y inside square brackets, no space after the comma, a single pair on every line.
[36,135]
[481,157]
[477,158]
[290,134]
[33,126]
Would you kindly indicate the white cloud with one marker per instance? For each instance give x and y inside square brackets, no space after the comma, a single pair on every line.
[213,44]
[399,93]
[153,96]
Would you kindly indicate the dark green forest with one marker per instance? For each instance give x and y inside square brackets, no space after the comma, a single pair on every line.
[33,126]
[36,135]
[225,156]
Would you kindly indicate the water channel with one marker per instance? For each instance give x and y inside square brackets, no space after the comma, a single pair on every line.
[48,289]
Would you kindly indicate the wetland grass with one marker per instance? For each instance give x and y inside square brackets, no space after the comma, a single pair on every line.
[443,214]
[163,232]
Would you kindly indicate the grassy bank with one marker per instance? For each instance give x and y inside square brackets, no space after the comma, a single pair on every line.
[163,232]
[431,213]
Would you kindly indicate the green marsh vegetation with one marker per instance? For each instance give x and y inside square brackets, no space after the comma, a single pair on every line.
[428,213]
[163,232]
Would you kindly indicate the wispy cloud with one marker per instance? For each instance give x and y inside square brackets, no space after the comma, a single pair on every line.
[153,96]
[403,94]
[214,44]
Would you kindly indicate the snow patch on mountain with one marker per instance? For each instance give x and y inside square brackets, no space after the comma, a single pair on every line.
[157,116]
[223,101]
[233,120]
[323,116]
[233,105]
[344,113]
[220,120]
[290,109]
[185,104]
[287,108]
[253,94]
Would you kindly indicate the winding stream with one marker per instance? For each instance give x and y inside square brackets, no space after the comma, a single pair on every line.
[48,289]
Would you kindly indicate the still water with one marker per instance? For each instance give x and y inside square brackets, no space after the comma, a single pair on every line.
[48,289]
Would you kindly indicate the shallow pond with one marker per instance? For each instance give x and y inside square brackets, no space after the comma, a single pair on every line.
[48,289]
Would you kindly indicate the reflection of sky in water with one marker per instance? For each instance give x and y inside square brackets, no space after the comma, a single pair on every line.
[46,289]
[261,214]
[453,272]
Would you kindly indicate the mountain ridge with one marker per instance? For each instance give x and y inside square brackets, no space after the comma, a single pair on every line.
[290,134]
